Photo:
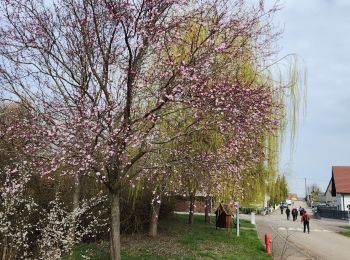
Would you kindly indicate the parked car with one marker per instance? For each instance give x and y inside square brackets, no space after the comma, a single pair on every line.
[289,202]
[284,204]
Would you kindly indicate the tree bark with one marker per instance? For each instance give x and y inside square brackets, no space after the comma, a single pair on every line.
[207,210]
[192,201]
[153,226]
[115,227]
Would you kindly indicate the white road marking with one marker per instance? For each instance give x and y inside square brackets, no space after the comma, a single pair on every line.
[300,229]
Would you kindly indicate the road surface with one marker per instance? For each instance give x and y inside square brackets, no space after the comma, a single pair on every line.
[289,241]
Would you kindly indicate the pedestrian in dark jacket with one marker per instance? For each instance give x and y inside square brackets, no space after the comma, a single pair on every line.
[295,214]
[288,213]
[305,219]
[281,208]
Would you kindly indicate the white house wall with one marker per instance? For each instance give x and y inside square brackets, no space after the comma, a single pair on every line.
[342,201]
[346,200]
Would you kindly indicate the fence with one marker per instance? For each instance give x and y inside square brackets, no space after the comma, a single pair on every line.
[332,213]
[248,210]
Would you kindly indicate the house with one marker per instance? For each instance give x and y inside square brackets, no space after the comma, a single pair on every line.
[339,186]
[224,214]
[292,196]
[327,197]
[182,202]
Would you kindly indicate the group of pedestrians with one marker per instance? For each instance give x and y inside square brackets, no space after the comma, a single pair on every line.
[305,217]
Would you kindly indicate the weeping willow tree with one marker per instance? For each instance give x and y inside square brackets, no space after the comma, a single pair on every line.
[192,156]
[292,100]
[286,91]
[198,153]
[259,177]
[289,93]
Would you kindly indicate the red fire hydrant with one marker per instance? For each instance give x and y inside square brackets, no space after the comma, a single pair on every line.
[268,242]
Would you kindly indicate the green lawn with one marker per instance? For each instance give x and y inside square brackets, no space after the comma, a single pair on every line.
[345,233]
[346,227]
[89,251]
[178,240]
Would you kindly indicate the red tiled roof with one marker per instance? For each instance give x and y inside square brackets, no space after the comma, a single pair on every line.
[341,176]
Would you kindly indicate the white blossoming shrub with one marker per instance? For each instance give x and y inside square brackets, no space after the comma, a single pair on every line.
[16,211]
[55,231]
[32,231]
[57,238]
[92,218]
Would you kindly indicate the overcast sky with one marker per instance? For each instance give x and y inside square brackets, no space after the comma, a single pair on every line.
[318,31]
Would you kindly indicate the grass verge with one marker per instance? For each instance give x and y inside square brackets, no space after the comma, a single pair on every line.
[178,240]
[345,227]
[345,233]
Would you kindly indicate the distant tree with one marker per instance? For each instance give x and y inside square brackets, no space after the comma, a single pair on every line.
[315,192]
[278,190]
[284,187]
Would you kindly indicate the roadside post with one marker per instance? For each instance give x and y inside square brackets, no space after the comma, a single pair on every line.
[348,206]
[237,206]
[252,218]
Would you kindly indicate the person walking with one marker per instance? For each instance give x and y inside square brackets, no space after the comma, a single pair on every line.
[281,207]
[301,211]
[305,219]
[294,214]
[288,213]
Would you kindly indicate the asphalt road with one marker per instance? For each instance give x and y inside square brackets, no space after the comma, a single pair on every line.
[289,241]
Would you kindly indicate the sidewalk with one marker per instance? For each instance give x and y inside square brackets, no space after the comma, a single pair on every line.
[281,248]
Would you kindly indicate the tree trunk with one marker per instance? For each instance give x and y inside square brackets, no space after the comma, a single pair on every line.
[76,199]
[190,217]
[153,225]
[115,227]
[207,210]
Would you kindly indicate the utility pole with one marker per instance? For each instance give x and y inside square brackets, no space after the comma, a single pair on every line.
[305,189]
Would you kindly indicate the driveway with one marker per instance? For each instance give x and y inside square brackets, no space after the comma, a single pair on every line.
[289,241]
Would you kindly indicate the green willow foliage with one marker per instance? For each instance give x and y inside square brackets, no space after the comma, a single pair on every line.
[289,92]
[292,100]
